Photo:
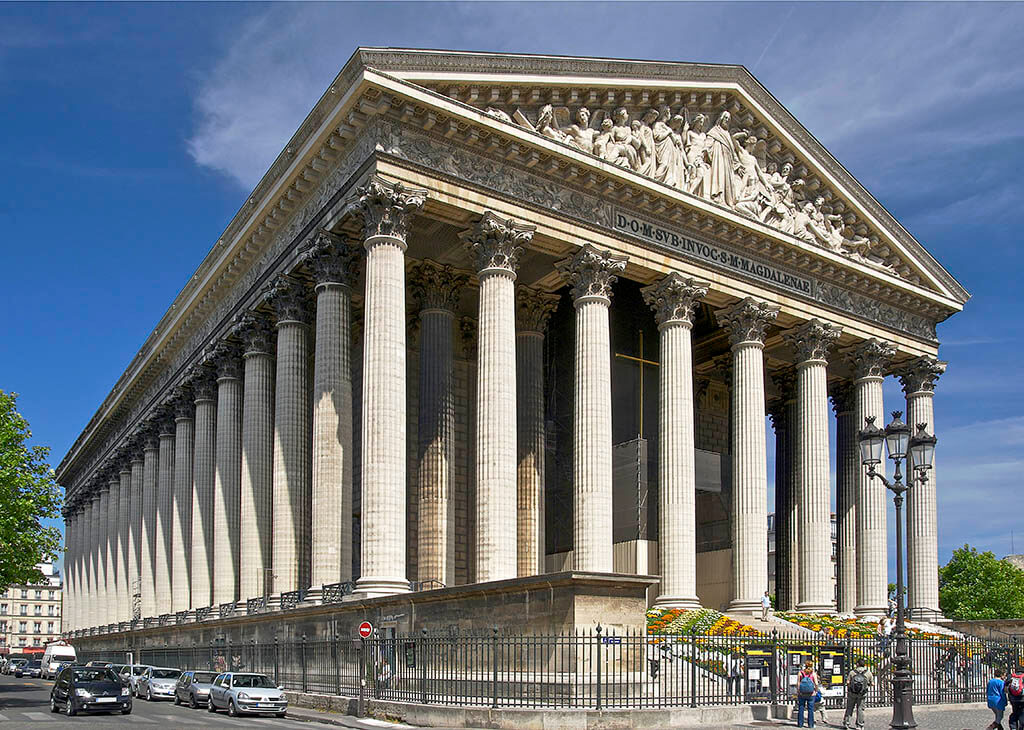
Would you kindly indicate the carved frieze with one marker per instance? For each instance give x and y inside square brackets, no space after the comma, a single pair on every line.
[675,298]
[591,272]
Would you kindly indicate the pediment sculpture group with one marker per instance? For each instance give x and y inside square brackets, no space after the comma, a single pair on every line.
[721,165]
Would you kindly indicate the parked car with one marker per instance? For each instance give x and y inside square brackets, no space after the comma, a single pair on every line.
[98,664]
[244,692]
[193,688]
[132,674]
[89,689]
[14,663]
[32,668]
[157,682]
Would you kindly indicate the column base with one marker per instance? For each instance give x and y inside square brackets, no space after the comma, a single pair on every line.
[925,615]
[815,608]
[683,602]
[371,586]
[871,611]
[745,606]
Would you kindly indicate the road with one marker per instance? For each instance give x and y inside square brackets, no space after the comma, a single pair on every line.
[25,703]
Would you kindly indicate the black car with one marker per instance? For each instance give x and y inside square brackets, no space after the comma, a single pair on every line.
[31,668]
[89,689]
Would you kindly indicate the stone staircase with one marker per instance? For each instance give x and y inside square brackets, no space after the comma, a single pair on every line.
[766,627]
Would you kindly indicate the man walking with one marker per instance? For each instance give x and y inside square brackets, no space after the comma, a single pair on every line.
[766,605]
[856,692]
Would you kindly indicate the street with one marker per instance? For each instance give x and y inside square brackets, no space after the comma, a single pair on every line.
[25,703]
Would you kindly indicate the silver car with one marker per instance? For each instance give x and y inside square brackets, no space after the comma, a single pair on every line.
[243,693]
[157,682]
[193,688]
[131,675]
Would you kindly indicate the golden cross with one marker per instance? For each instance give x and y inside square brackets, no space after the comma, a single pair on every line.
[641,362]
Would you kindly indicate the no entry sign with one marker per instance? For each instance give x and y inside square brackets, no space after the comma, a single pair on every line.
[365,629]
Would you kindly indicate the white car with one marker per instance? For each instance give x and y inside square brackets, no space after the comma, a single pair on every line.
[132,673]
[57,655]
[157,683]
[243,692]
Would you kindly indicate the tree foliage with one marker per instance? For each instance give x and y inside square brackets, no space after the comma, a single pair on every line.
[975,586]
[28,495]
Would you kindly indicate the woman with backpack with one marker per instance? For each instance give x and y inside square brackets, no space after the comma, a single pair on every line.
[807,684]
[1015,696]
[857,687]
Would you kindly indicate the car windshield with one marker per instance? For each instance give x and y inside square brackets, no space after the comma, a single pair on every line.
[35,663]
[166,673]
[94,674]
[139,669]
[204,677]
[251,680]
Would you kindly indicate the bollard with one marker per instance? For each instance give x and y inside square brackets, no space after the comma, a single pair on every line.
[421,652]
[494,665]
[303,659]
[598,689]
[361,705]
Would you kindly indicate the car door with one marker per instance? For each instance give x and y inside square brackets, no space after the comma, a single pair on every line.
[216,689]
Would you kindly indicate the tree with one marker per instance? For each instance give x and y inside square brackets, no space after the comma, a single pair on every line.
[975,586]
[28,495]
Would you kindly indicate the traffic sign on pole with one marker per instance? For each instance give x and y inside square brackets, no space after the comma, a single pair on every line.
[365,629]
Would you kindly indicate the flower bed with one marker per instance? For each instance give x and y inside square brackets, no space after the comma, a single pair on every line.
[703,622]
[839,627]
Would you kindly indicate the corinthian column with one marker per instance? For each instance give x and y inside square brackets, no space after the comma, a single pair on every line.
[674,300]
[135,539]
[228,474]
[747,322]
[203,476]
[113,501]
[184,445]
[257,454]
[387,212]
[870,361]
[96,586]
[437,288]
[918,379]
[123,612]
[162,570]
[813,471]
[591,273]
[533,309]
[332,264]
[847,472]
[290,533]
[147,553]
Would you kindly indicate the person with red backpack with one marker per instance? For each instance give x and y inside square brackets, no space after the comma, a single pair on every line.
[1015,696]
[807,684]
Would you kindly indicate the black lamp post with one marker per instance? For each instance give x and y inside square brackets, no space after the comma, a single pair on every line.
[919,452]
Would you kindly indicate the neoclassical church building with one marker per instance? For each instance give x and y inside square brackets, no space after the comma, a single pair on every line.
[489,316]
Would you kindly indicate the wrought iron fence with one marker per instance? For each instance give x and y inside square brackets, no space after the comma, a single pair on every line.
[595,669]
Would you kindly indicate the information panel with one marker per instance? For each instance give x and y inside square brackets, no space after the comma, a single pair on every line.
[832,670]
[758,678]
[796,657]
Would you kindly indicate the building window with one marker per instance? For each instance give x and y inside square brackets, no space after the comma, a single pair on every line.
[21,641]
[39,610]
[51,595]
[3,609]
[22,627]
[24,610]
[37,626]
[39,595]
[50,612]
[49,626]
[24,593]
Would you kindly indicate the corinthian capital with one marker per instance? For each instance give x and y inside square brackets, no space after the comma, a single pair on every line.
[255,332]
[919,375]
[226,358]
[748,320]
[497,242]
[871,358]
[182,401]
[812,340]
[387,208]
[436,286]
[591,272]
[842,395]
[202,380]
[674,299]
[533,309]
[330,259]
[288,297]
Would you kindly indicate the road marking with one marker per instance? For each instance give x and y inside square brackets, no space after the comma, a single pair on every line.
[37,715]
[3,718]
[136,718]
[181,720]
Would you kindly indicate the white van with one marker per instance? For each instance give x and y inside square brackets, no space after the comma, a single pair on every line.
[56,654]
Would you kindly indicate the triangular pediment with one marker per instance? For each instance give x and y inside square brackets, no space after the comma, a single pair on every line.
[709,132]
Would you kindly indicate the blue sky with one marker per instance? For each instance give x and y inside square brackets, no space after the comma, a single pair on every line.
[131,133]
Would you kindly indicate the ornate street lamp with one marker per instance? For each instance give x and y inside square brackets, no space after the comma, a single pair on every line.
[919,451]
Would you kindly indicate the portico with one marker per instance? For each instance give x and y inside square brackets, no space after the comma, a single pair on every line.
[395,367]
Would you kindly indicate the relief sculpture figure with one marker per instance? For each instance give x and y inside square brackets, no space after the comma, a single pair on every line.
[645,135]
[666,153]
[722,158]
[696,140]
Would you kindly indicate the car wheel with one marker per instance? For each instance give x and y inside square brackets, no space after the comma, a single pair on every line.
[177,700]
[53,705]
[281,714]
[69,710]
[210,707]
[126,711]
[149,694]
[192,701]
[232,710]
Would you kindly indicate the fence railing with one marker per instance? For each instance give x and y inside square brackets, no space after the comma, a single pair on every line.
[595,669]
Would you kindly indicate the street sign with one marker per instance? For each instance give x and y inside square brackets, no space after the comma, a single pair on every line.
[366,629]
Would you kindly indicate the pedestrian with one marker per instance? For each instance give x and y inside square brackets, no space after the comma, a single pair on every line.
[1014,687]
[806,689]
[653,658]
[995,694]
[734,677]
[892,606]
[766,606]
[857,687]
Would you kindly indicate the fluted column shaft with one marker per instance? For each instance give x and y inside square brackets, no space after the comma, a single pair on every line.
[674,300]
[331,262]
[783,499]
[292,478]
[257,457]
[110,547]
[227,479]
[135,539]
[922,523]
[95,562]
[184,448]
[872,530]
[165,546]
[147,567]
[70,552]
[123,609]
[203,477]
[387,212]
[847,475]
[747,322]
